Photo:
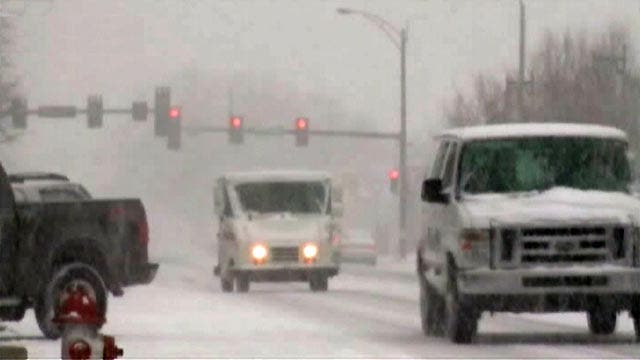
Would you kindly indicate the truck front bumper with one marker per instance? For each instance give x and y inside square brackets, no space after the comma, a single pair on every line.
[574,280]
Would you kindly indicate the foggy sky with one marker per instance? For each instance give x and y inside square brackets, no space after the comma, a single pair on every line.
[123,48]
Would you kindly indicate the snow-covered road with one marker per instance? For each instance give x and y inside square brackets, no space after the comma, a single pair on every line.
[368,313]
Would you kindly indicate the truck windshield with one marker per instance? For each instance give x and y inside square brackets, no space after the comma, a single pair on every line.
[530,164]
[272,197]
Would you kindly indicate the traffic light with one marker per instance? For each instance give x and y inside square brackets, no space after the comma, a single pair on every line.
[174,127]
[19,113]
[302,131]
[161,107]
[236,136]
[139,110]
[394,175]
[95,111]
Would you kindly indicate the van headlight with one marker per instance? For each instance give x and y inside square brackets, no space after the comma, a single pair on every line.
[259,253]
[310,252]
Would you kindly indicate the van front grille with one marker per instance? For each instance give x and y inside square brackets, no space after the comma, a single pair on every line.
[284,254]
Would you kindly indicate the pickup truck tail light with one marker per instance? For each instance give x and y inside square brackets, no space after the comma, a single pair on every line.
[143,231]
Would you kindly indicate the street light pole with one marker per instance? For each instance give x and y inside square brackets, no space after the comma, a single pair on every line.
[402,193]
[399,39]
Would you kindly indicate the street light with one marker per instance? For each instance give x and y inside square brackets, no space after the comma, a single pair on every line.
[399,39]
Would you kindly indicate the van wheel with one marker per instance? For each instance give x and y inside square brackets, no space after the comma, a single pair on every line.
[226,285]
[431,307]
[242,283]
[461,321]
[635,315]
[318,283]
[602,321]
[68,278]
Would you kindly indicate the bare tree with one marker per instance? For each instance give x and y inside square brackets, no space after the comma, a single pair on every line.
[8,82]
[575,79]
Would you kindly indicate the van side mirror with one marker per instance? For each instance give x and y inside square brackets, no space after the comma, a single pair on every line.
[218,201]
[432,192]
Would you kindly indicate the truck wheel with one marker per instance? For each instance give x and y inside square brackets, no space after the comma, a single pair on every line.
[602,321]
[242,283]
[226,284]
[68,278]
[318,283]
[431,306]
[461,321]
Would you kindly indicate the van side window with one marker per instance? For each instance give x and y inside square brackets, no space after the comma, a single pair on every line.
[449,166]
[436,171]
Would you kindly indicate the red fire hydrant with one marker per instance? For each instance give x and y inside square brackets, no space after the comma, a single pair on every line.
[78,315]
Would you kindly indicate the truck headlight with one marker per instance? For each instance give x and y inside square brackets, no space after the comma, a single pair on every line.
[259,253]
[310,252]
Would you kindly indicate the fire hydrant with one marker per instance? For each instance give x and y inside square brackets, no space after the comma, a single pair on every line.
[78,315]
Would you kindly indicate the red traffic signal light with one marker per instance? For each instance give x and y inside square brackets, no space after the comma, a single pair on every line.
[236,135]
[174,128]
[301,124]
[174,113]
[236,122]
[302,131]
[394,175]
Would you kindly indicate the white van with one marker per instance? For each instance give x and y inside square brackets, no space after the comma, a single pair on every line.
[529,218]
[276,226]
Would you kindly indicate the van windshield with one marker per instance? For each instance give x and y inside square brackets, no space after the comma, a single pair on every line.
[277,197]
[529,164]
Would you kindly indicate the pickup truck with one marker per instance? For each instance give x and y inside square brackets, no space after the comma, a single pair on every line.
[48,248]
[529,218]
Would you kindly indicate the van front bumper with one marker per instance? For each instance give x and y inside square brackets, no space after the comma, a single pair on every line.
[271,273]
[607,279]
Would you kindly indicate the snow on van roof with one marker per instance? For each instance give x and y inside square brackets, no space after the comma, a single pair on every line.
[533,129]
[276,175]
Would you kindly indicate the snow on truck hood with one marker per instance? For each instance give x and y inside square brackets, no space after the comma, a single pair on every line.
[562,205]
[285,228]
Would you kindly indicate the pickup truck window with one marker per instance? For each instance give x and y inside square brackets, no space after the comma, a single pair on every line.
[53,195]
[293,197]
[528,164]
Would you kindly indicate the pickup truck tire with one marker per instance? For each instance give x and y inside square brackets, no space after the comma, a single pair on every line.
[242,283]
[431,306]
[461,319]
[602,321]
[318,283]
[67,278]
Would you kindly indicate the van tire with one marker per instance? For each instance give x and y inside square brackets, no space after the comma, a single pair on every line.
[431,308]
[242,283]
[461,318]
[226,285]
[602,321]
[318,283]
